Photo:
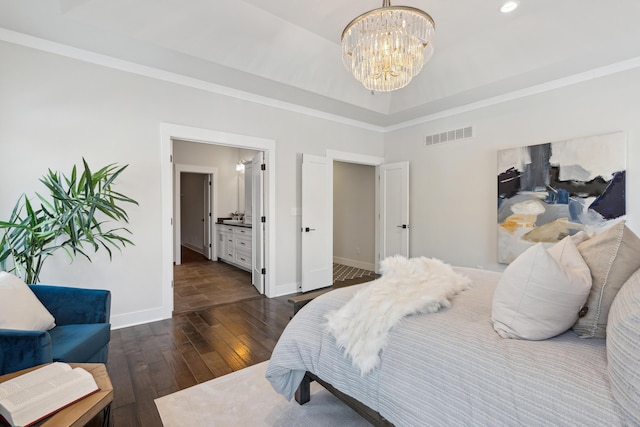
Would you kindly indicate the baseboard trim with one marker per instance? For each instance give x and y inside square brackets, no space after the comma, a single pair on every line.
[194,248]
[354,263]
[136,318]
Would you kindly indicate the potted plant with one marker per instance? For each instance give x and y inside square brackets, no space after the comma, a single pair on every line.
[73,218]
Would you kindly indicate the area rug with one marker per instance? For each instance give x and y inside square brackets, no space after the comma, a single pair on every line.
[246,398]
[343,272]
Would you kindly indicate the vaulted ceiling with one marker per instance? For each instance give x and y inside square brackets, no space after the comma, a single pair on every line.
[289,50]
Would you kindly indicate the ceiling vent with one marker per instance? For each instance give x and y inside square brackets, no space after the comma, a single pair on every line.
[451,135]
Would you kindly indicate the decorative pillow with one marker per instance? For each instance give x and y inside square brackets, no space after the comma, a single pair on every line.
[623,348]
[612,257]
[541,292]
[20,308]
[581,236]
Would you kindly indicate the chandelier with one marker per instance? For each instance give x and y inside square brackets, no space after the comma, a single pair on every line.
[386,47]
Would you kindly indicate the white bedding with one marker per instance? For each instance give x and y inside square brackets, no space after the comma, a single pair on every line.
[451,368]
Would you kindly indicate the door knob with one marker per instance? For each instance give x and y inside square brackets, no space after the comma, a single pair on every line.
[402,226]
[307,229]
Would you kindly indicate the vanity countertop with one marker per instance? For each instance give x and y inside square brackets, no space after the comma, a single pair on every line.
[243,225]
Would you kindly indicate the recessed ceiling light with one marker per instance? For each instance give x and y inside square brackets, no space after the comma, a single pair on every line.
[509,6]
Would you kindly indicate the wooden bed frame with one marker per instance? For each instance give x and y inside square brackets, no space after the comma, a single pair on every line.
[303,395]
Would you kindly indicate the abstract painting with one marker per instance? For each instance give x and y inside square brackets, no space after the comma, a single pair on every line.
[549,191]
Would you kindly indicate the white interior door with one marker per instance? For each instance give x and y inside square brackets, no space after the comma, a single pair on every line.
[317,222]
[394,209]
[208,209]
[257,213]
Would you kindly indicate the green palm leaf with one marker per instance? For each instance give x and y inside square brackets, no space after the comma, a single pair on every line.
[71,219]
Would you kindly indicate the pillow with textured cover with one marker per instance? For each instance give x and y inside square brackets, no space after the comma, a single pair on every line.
[612,256]
[19,308]
[541,292]
[623,348]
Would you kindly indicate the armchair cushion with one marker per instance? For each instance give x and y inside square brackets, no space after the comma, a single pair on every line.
[79,342]
[19,307]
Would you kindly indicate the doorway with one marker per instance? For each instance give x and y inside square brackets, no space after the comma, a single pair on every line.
[194,207]
[391,213]
[354,225]
[171,132]
[213,259]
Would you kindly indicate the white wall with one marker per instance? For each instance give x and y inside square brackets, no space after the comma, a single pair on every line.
[454,184]
[230,197]
[55,110]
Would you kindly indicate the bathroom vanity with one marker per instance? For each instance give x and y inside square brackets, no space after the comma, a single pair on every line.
[234,244]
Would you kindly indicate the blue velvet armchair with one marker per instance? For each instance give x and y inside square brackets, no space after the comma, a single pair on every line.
[81,335]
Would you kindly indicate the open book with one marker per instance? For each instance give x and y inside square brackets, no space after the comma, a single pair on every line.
[33,396]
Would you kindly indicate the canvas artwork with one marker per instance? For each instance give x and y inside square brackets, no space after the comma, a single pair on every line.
[548,191]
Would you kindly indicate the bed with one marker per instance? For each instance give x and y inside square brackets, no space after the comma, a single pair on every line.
[451,367]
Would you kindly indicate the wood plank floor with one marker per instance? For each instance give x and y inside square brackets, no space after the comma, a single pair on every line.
[155,359]
[207,337]
[199,283]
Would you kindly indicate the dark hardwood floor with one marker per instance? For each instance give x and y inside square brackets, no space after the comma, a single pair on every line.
[155,359]
[200,283]
[206,338]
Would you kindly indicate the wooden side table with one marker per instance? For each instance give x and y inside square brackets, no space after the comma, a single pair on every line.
[84,410]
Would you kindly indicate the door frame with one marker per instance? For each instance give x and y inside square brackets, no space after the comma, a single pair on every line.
[169,132]
[361,159]
[212,172]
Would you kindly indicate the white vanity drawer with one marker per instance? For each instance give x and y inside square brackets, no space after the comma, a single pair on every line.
[243,258]
[242,242]
[242,231]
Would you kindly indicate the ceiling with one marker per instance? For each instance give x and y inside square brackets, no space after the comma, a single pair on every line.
[288,51]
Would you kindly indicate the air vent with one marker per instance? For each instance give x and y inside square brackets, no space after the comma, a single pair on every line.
[451,135]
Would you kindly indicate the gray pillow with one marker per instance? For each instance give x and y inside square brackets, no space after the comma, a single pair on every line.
[612,256]
[623,348]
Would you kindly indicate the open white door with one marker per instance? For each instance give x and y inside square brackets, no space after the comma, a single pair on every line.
[208,217]
[258,220]
[394,209]
[317,222]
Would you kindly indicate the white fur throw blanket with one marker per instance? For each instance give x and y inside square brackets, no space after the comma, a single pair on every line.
[407,286]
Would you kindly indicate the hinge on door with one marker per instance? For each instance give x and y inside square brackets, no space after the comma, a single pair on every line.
[263,219]
[170,158]
[263,167]
[264,271]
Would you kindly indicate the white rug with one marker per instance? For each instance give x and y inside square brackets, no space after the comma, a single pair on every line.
[246,398]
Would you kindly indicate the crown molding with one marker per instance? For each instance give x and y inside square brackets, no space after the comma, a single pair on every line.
[29,41]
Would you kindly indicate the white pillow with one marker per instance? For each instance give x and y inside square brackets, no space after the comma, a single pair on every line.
[19,308]
[541,292]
